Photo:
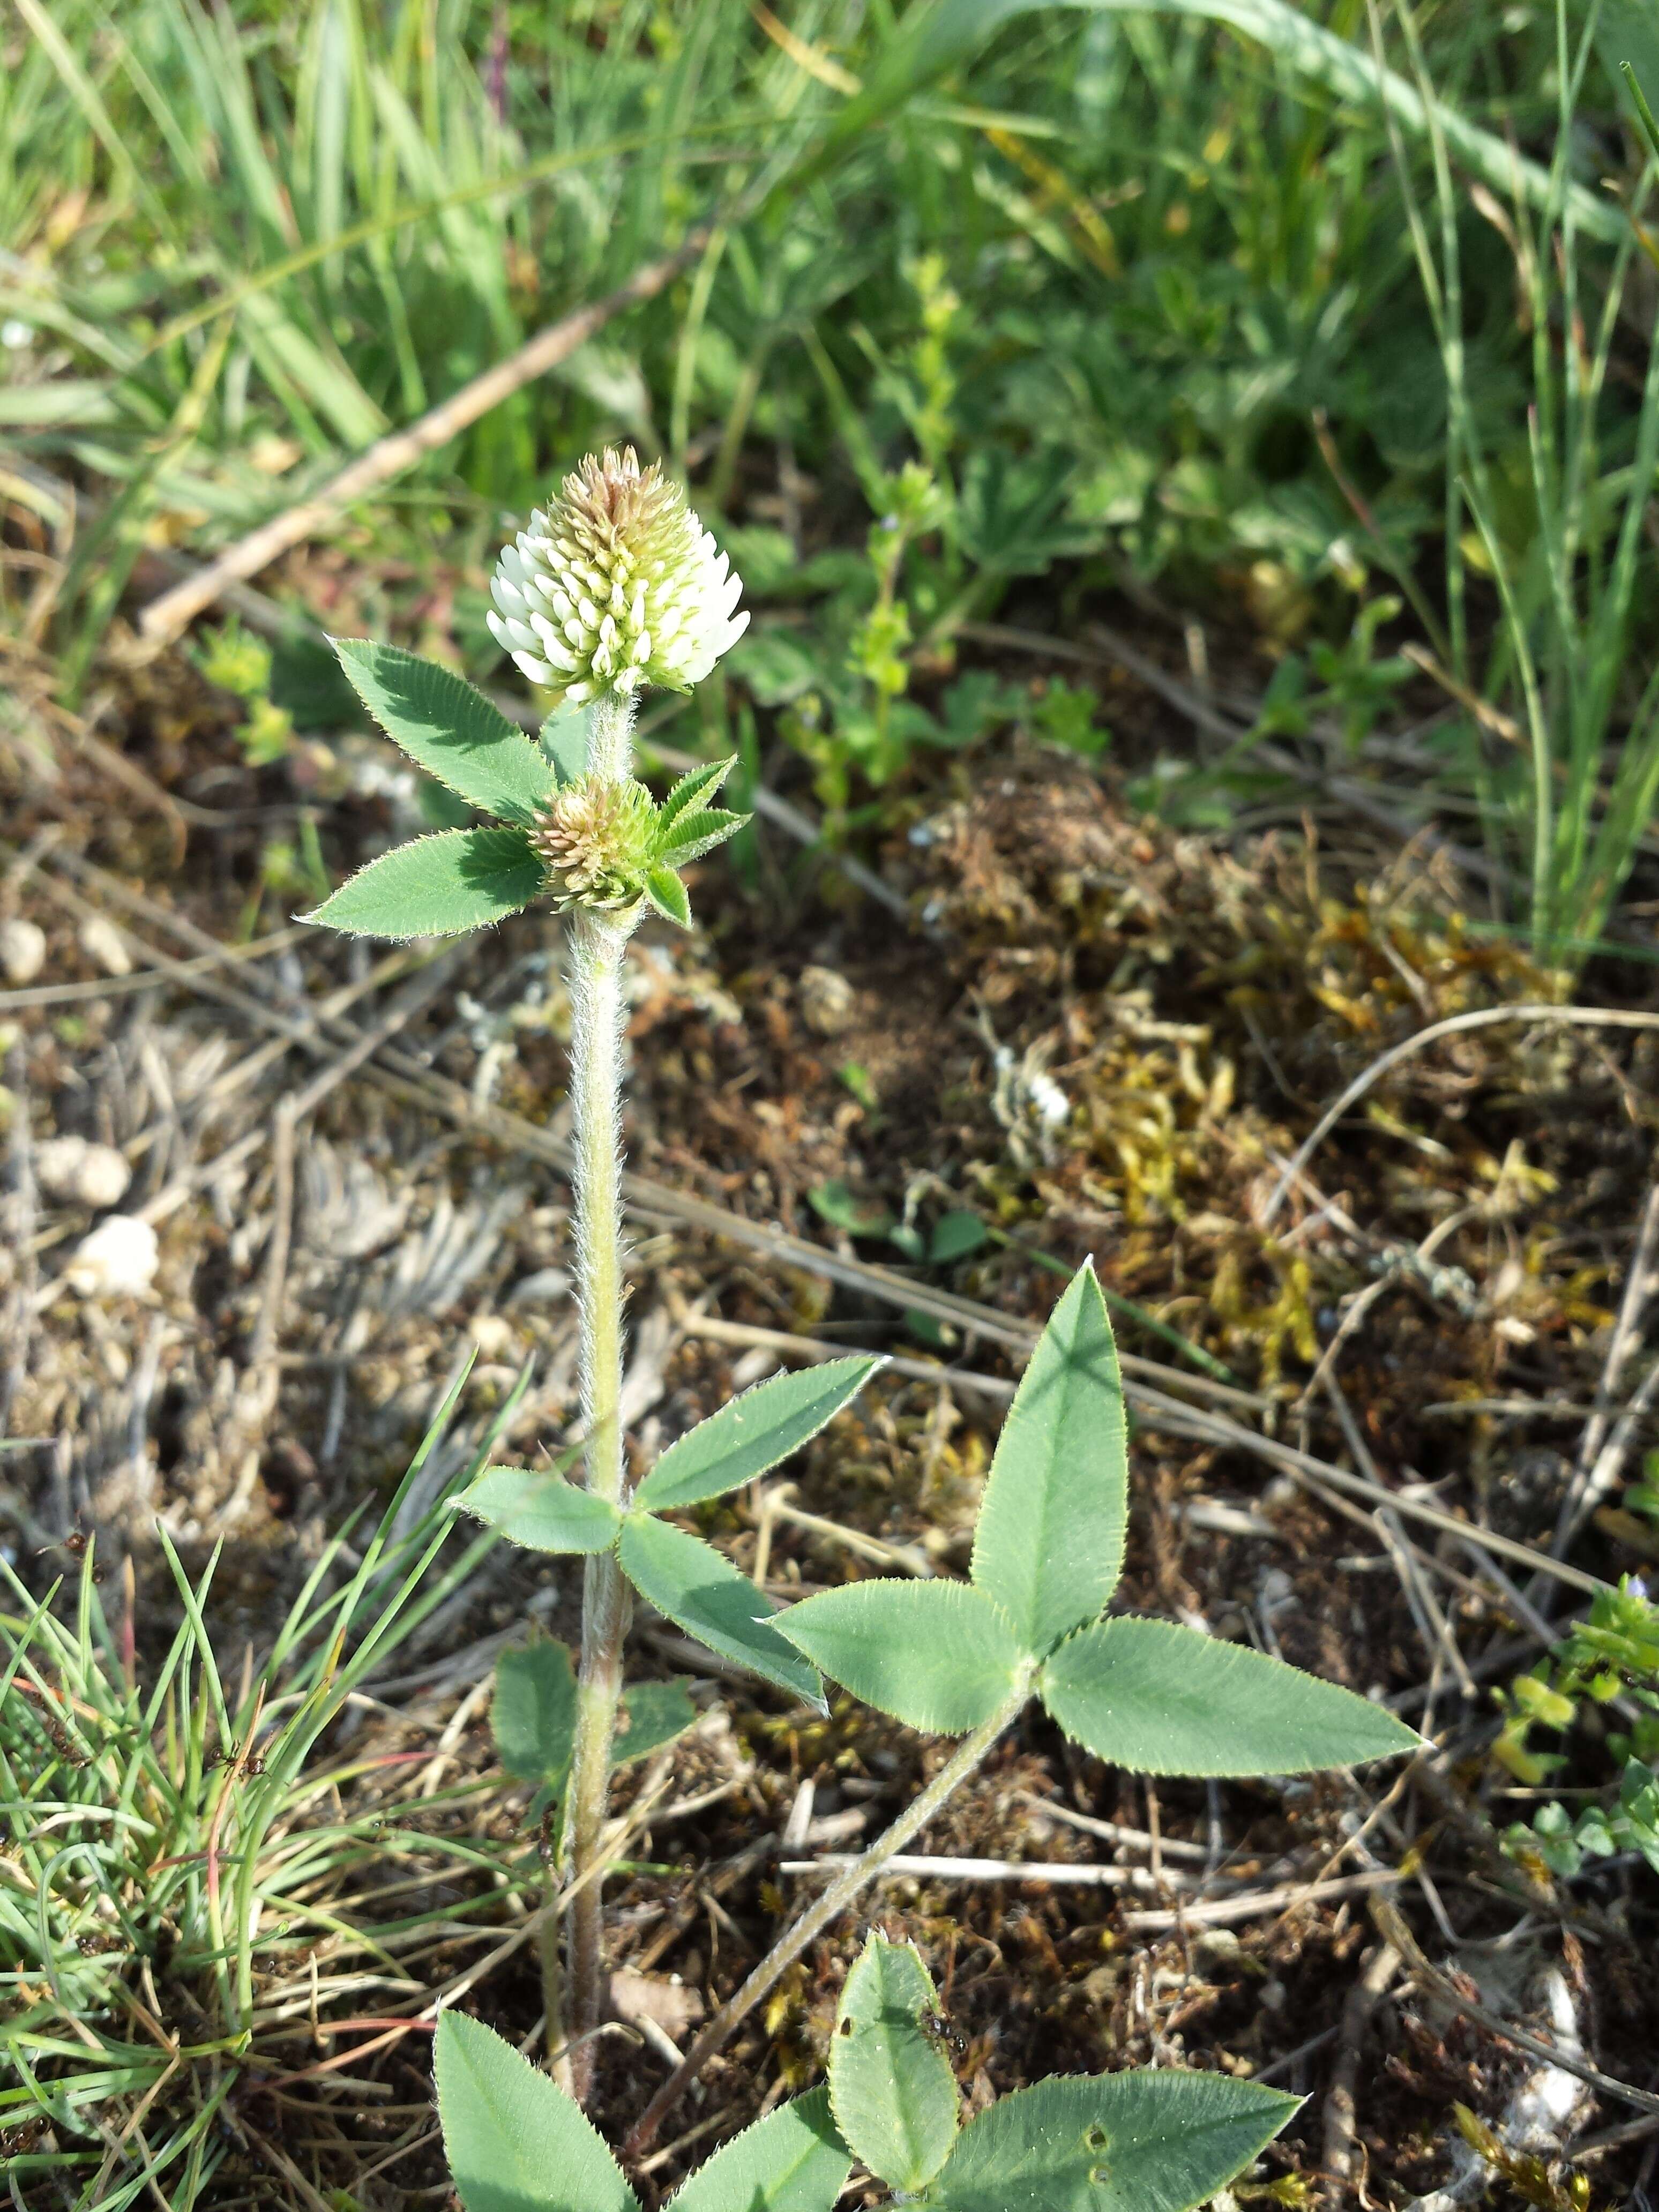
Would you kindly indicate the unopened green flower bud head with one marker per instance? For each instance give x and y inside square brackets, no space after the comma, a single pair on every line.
[595,838]
[615,586]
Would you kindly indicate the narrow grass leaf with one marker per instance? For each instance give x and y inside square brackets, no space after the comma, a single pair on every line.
[704,1594]
[533,1714]
[1049,1543]
[439,887]
[753,1432]
[539,1509]
[890,2086]
[937,1656]
[791,2161]
[449,729]
[1136,2142]
[1161,1699]
[514,2141]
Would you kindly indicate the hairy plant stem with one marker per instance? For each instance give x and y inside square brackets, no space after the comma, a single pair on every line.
[594,965]
[968,1756]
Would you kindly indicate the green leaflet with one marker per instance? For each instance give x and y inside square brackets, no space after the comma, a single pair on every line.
[705,1595]
[515,2142]
[668,894]
[1141,2142]
[890,2086]
[752,1433]
[538,1508]
[439,887]
[693,835]
[1161,1699]
[651,1715]
[791,2161]
[696,785]
[1049,1543]
[533,1715]
[564,741]
[449,729]
[937,1656]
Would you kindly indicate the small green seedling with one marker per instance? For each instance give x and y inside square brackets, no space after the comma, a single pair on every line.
[1613,1655]
[1134,2141]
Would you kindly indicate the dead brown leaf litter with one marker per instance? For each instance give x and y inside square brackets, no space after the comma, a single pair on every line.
[1100,1037]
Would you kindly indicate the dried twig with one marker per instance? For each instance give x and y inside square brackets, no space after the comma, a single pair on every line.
[1341,2099]
[165,617]
[1222,1911]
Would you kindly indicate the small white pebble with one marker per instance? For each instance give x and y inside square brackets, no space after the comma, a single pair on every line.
[23,949]
[117,1260]
[103,946]
[829,1004]
[80,1173]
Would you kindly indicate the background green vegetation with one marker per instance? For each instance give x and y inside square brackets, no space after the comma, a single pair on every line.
[1065,300]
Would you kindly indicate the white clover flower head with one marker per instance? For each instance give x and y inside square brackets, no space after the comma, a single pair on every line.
[615,586]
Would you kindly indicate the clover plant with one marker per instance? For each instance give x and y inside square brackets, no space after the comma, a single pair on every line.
[1134,2141]
[616,587]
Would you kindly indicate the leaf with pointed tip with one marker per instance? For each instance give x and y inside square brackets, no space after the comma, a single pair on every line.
[937,1656]
[448,729]
[791,2161]
[694,835]
[515,2142]
[890,2086]
[698,783]
[668,894]
[564,741]
[704,1594]
[1161,1699]
[439,887]
[1136,2142]
[1049,1543]
[538,1508]
[752,1433]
